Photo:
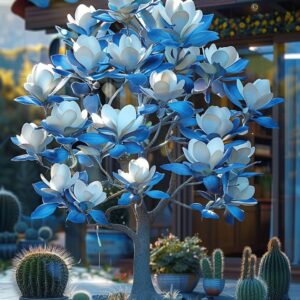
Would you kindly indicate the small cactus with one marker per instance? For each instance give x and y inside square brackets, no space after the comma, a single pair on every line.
[21,227]
[10,210]
[45,233]
[81,295]
[31,234]
[275,270]
[42,272]
[206,268]
[218,263]
[216,268]
[250,287]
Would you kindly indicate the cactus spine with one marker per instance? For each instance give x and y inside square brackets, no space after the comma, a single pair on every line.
[215,268]
[42,273]
[250,287]
[218,263]
[10,210]
[276,271]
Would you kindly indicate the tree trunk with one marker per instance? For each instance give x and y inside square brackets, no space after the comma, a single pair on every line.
[142,288]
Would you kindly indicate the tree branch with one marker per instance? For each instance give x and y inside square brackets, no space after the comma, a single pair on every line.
[119,227]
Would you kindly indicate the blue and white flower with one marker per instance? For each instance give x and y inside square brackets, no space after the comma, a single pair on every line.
[61,178]
[89,194]
[123,6]
[224,56]
[182,59]
[66,118]
[181,16]
[32,139]
[129,53]
[165,86]
[42,82]
[83,17]
[241,154]
[240,189]
[209,154]
[215,120]
[257,94]
[88,52]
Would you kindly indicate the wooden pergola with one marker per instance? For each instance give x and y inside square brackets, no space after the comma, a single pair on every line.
[46,19]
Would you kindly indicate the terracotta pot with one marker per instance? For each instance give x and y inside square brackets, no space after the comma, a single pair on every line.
[213,287]
[184,283]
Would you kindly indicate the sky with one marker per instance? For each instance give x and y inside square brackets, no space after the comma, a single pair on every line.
[12,30]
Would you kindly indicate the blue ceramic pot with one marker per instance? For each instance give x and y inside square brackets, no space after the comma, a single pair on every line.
[213,287]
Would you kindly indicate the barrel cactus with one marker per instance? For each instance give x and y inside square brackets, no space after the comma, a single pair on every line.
[81,295]
[276,271]
[250,287]
[10,210]
[42,272]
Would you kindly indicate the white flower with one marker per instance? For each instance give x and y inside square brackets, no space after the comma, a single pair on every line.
[256,94]
[123,6]
[199,152]
[120,121]
[61,178]
[165,86]
[88,52]
[42,81]
[33,139]
[138,171]
[181,15]
[83,17]
[225,56]
[241,154]
[240,189]
[92,193]
[67,117]
[215,120]
[182,60]
[129,53]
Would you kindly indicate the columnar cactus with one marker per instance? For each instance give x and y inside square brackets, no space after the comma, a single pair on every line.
[215,268]
[276,271]
[42,272]
[206,268]
[218,263]
[250,287]
[10,210]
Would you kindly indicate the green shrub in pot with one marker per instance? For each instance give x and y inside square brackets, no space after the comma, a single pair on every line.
[175,263]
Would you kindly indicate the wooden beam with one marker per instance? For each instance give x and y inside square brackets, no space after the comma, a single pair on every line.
[46,19]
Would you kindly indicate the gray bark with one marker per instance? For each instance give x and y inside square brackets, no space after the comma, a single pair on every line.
[142,288]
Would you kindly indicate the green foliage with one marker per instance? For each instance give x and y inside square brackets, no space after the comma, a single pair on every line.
[172,295]
[31,234]
[218,263]
[275,270]
[169,255]
[81,295]
[10,210]
[206,268]
[42,272]
[250,287]
[21,227]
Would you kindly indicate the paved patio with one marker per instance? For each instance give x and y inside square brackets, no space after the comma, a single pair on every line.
[99,285]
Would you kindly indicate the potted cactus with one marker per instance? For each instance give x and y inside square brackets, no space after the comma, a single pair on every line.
[213,281]
[250,287]
[42,273]
[275,270]
[175,263]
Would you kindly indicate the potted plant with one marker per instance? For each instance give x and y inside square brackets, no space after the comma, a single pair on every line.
[175,264]
[42,273]
[213,281]
[164,62]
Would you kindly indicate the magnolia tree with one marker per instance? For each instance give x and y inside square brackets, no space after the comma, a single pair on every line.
[160,53]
